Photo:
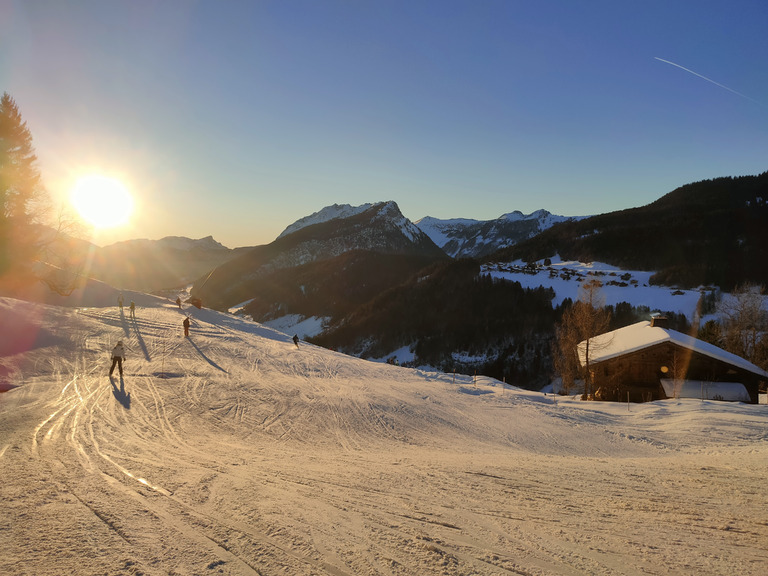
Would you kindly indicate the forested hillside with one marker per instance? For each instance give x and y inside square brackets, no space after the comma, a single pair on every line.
[453,317]
[450,314]
[331,287]
[708,232]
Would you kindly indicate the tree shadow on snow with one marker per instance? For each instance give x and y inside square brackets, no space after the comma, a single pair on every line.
[120,395]
[211,362]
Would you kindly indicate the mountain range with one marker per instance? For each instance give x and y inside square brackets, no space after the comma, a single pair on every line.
[143,265]
[463,238]
[355,252]
[174,262]
[340,261]
[376,282]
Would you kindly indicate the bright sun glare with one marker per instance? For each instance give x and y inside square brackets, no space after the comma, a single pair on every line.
[101,201]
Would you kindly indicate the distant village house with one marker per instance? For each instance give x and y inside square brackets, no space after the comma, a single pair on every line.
[648,361]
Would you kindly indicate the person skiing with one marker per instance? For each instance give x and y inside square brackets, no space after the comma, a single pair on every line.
[118,355]
[296,340]
[186,327]
[120,301]
[178,302]
[133,310]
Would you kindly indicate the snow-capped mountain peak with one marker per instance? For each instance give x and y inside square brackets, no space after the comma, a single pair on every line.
[326,214]
[382,220]
[391,211]
[516,215]
[460,237]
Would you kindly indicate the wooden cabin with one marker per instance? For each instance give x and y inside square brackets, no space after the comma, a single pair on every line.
[648,361]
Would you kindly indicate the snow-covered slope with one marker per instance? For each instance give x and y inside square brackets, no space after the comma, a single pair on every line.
[443,230]
[326,214]
[632,286]
[236,452]
[474,238]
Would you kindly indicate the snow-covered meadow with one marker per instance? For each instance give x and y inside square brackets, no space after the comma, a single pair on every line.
[236,452]
[565,278]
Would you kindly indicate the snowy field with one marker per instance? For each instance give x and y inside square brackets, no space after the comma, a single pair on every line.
[565,277]
[235,452]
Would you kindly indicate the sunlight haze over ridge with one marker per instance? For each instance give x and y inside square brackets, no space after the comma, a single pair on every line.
[235,119]
[101,201]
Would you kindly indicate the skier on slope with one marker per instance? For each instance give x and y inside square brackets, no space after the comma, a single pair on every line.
[118,355]
[296,340]
[186,327]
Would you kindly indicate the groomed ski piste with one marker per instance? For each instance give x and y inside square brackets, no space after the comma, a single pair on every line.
[235,452]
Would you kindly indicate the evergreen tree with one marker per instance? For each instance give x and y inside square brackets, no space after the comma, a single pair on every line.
[21,190]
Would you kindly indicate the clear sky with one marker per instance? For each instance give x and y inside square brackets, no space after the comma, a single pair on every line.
[236,118]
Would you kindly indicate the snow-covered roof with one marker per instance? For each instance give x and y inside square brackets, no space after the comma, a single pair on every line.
[642,335]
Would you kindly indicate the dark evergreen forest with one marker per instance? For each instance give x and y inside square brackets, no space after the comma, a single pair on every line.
[713,232]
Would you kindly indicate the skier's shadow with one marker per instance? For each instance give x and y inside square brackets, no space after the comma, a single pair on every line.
[120,394]
[124,323]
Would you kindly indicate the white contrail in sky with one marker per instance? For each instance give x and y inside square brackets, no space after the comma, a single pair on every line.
[707,79]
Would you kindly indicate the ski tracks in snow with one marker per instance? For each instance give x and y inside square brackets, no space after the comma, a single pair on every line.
[115,457]
[246,455]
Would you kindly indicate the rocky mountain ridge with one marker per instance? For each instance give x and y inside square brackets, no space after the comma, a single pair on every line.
[375,229]
[465,238]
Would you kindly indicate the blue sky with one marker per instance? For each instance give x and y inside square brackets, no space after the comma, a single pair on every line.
[235,119]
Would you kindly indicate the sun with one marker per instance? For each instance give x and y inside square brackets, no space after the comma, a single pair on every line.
[102,201]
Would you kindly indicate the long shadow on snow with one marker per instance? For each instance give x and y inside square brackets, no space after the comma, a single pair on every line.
[211,362]
[229,322]
[124,324]
[140,340]
[120,394]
